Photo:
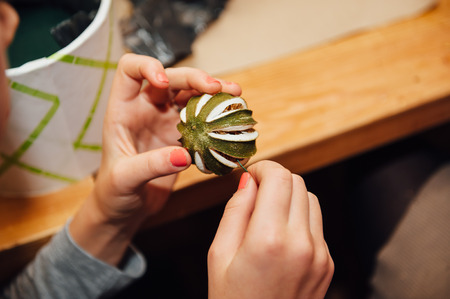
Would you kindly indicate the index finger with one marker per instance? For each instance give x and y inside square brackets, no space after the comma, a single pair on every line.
[274,195]
[190,81]
[132,70]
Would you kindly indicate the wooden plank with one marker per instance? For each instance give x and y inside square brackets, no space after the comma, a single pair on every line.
[314,108]
[309,97]
[24,220]
[209,193]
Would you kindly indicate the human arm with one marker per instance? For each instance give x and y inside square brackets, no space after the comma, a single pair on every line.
[270,242]
[62,269]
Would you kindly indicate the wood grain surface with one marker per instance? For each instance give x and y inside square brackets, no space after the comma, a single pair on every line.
[313,108]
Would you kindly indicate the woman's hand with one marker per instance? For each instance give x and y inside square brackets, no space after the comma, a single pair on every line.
[270,242]
[140,133]
[140,151]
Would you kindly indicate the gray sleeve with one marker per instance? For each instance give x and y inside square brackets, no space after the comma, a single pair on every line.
[63,270]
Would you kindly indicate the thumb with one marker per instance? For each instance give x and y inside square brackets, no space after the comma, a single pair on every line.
[156,163]
[235,220]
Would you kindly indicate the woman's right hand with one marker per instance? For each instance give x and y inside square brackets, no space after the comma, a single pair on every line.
[270,242]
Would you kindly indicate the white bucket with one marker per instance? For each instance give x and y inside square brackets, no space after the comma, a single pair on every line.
[53,136]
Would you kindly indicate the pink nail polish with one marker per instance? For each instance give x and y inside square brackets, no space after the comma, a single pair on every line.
[244,180]
[162,77]
[178,158]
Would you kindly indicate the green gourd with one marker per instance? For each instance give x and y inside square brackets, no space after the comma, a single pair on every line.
[218,132]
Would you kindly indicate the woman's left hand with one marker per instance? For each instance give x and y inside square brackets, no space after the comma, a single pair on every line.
[141,154]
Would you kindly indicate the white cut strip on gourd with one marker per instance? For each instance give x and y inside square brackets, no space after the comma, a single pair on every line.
[183,115]
[217,112]
[203,100]
[241,137]
[200,164]
[222,159]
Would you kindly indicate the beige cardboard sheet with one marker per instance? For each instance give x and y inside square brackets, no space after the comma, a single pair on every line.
[251,32]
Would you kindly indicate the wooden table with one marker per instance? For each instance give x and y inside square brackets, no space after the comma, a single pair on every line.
[314,108]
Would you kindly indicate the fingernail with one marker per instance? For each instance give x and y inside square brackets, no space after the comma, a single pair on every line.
[244,180]
[162,77]
[178,158]
[211,80]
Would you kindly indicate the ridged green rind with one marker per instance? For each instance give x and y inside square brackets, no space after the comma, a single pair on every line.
[236,118]
[214,165]
[239,150]
[196,139]
[190,107]
[213,102]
